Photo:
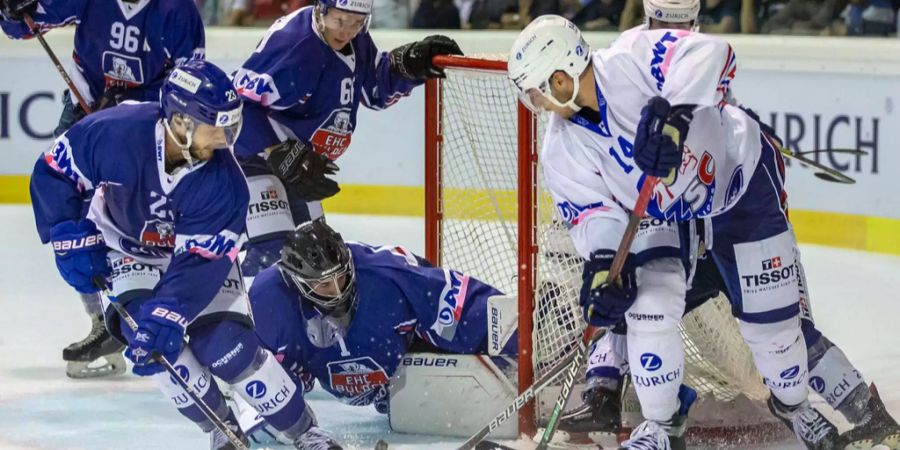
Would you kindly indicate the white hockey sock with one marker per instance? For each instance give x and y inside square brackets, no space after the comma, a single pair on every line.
[271,391]
[835,379]
[201,381]
[779,352]
[608,361]
[655,351]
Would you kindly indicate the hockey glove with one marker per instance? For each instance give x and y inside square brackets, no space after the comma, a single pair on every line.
[659,140]
[299,166]
[605,304]
[413,60]
[16,9]
[160,331]
[80,253]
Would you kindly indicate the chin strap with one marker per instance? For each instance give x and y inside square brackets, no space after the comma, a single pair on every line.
[189,138]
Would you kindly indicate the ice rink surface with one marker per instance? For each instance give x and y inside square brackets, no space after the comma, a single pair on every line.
[854,296]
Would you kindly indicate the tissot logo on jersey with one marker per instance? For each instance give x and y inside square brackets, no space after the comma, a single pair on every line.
[355,377]
[269,202]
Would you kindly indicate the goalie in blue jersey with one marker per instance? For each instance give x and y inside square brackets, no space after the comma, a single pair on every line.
[345,313]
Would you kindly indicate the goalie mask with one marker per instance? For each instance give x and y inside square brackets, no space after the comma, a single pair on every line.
[316,260]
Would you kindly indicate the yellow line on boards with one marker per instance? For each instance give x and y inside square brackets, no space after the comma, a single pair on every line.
[877,234]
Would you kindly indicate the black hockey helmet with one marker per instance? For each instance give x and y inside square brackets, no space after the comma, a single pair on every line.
[317,261]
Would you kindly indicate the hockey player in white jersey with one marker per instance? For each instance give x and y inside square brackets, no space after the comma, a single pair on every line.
[611,108]
[832,375]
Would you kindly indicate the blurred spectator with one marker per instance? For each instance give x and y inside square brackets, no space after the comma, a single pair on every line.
[632,15]
[599,15]
[719,16]
[490,13]
[391,13]
[801,17]
[869,18]
[437,14]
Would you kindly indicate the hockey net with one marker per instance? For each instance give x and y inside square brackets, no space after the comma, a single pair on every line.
[488,214]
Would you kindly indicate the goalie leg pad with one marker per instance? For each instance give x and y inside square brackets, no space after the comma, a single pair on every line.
[779,352]
[201,381]
[655,351]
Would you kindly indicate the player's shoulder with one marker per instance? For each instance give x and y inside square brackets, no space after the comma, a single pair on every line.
[295,35]
[268,290]
[175,6]
[123,123]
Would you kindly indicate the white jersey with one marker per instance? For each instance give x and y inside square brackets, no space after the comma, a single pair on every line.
[588,164]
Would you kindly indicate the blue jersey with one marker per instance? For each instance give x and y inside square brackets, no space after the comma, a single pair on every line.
[122,44]
[300,88]
[399,296]
[190,220]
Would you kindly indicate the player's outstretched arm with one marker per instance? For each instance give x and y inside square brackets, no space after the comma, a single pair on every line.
[51,14]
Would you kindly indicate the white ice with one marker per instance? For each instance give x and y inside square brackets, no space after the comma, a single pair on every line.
[854,300]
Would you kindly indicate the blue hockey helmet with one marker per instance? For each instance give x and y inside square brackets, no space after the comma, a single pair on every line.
[201,93]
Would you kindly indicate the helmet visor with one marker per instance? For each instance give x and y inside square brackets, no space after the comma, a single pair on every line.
[231,123]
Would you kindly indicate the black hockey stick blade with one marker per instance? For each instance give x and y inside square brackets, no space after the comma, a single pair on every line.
[834,177]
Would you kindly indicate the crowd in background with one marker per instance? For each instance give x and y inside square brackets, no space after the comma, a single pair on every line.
[797,17]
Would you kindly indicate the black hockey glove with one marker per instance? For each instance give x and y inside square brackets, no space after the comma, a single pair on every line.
[16,9]
[299,166]
[605,304]
[413,60]
[111,97]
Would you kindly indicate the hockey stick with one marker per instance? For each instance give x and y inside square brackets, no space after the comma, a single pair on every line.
[207,411]
[823,172]
[640,207]
[518,402]
[62,71]
[573,361]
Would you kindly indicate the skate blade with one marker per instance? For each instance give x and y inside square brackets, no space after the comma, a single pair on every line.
[104,366]
[563,440]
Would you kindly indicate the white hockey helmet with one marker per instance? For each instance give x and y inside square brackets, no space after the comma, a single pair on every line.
[674,11]
[549,43]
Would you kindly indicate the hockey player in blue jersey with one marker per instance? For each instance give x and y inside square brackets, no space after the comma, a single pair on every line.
[345,313]
[123,50]
[165,217]
[303,86]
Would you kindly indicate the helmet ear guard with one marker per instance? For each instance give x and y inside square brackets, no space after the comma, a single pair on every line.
[548,44]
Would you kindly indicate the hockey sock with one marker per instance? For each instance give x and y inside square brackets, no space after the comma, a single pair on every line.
[274,394]
[779,352]
[201,381]
[91,303]
[606,364]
